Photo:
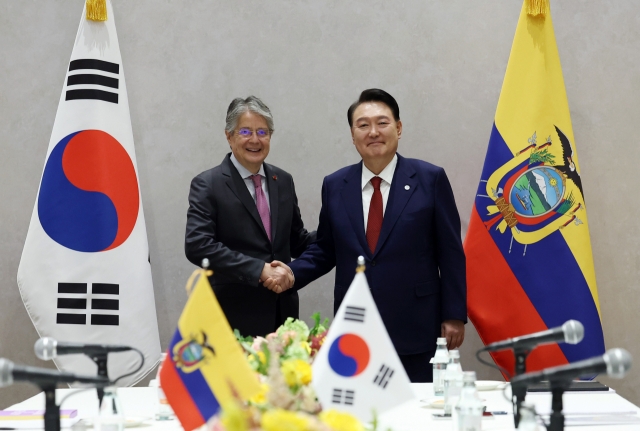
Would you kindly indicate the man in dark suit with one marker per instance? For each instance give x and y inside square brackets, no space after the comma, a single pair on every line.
[399,214]
[242,215]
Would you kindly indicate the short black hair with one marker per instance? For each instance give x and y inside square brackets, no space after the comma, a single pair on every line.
[374,95]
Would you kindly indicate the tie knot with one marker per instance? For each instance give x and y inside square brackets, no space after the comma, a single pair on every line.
[375,182]
[257,180]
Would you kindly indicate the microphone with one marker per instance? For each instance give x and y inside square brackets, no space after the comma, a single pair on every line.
[9,372]
[571,332]
[615,362]
[47,348]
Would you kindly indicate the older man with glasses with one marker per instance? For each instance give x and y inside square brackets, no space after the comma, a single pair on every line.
[243,214]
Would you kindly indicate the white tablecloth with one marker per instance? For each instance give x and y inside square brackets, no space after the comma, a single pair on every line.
[413,415]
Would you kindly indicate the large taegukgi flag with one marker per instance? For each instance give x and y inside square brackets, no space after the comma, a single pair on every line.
[85,275]
[529,262]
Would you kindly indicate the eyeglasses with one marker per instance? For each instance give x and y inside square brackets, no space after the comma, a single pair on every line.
[247,133]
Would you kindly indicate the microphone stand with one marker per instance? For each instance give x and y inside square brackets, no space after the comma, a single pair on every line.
[556,420]
[519,392]
[101,361]
[51,409]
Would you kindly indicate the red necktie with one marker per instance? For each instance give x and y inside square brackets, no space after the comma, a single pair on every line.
[374,221]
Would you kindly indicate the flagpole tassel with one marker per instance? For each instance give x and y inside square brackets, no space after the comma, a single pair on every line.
[537,7]
[97,10]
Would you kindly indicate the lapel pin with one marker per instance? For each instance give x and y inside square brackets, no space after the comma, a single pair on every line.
[275,177]
[407,187]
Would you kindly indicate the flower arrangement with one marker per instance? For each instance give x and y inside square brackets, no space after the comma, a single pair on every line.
[286,401]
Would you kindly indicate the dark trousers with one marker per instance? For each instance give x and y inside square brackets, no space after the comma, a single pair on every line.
[418,367]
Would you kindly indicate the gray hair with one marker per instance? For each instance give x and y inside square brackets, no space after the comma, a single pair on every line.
[239,106]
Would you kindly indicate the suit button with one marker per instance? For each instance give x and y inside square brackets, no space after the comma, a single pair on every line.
[373,263]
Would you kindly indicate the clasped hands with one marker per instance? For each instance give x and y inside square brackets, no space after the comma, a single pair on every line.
[277,277]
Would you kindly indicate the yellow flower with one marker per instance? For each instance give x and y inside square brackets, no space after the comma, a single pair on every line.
[262,357]
[296,372]
[339,421]
[234,418]
[306,346]
[260,397]
[284,420]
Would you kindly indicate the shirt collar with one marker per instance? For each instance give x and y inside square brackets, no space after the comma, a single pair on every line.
[386,174]
[244,172]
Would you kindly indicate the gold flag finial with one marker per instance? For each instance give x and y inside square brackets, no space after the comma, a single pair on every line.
[361,266]
[97,10]
[537,7]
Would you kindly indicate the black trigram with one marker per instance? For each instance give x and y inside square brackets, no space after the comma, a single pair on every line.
[354,313]
[345,397]
[383,377]
[104,81]
[79,299]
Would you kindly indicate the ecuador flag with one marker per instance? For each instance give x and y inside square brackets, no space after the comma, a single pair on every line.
[205,367]
[529,262]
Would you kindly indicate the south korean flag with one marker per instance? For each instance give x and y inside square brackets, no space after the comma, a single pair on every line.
[357,370]
[85,275]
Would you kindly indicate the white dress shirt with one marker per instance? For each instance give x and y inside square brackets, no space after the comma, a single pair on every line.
[246,176]
[385,186]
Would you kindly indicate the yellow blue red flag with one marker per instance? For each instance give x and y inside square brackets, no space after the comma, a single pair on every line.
[529,261]
[205,367]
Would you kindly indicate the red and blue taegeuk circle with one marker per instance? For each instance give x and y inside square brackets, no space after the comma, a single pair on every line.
[89,198]
[349,355]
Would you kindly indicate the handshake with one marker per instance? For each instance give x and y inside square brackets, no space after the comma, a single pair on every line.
[277,277]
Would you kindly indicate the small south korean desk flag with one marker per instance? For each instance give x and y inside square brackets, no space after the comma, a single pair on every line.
[357,369]
[85,275]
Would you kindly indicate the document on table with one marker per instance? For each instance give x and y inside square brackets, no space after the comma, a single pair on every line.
[33,419]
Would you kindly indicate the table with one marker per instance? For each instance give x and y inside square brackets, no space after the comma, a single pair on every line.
[411,416]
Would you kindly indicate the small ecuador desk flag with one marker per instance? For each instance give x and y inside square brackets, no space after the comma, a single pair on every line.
[529,262]
[205,367]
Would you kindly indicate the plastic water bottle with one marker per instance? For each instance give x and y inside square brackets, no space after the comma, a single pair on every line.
[527,418]
[468,412]
[110,417]
[440,361]
[163,409]
[452,382]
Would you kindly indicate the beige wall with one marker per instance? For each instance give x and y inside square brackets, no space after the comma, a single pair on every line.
[443,60]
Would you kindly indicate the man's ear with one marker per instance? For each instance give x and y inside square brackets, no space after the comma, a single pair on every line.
[228,135]
[399,127]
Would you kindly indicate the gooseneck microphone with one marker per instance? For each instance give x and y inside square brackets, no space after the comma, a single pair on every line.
[47,348]
[47,380]
[571,332]
[10,372]
[615,362]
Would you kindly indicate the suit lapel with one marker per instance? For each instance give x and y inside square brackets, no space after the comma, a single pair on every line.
[273,186]
[239,188]
[398,197]
[352,200]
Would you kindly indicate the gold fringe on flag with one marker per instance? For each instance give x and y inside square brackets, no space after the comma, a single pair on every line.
[97,10]
[537,7]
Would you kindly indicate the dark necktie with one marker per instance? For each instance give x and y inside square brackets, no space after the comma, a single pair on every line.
[261,203]
[374,220]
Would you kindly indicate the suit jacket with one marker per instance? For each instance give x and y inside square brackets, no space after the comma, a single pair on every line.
[223,225]
[417,272]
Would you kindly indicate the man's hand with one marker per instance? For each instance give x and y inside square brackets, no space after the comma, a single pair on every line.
[276,276]
[453,331]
